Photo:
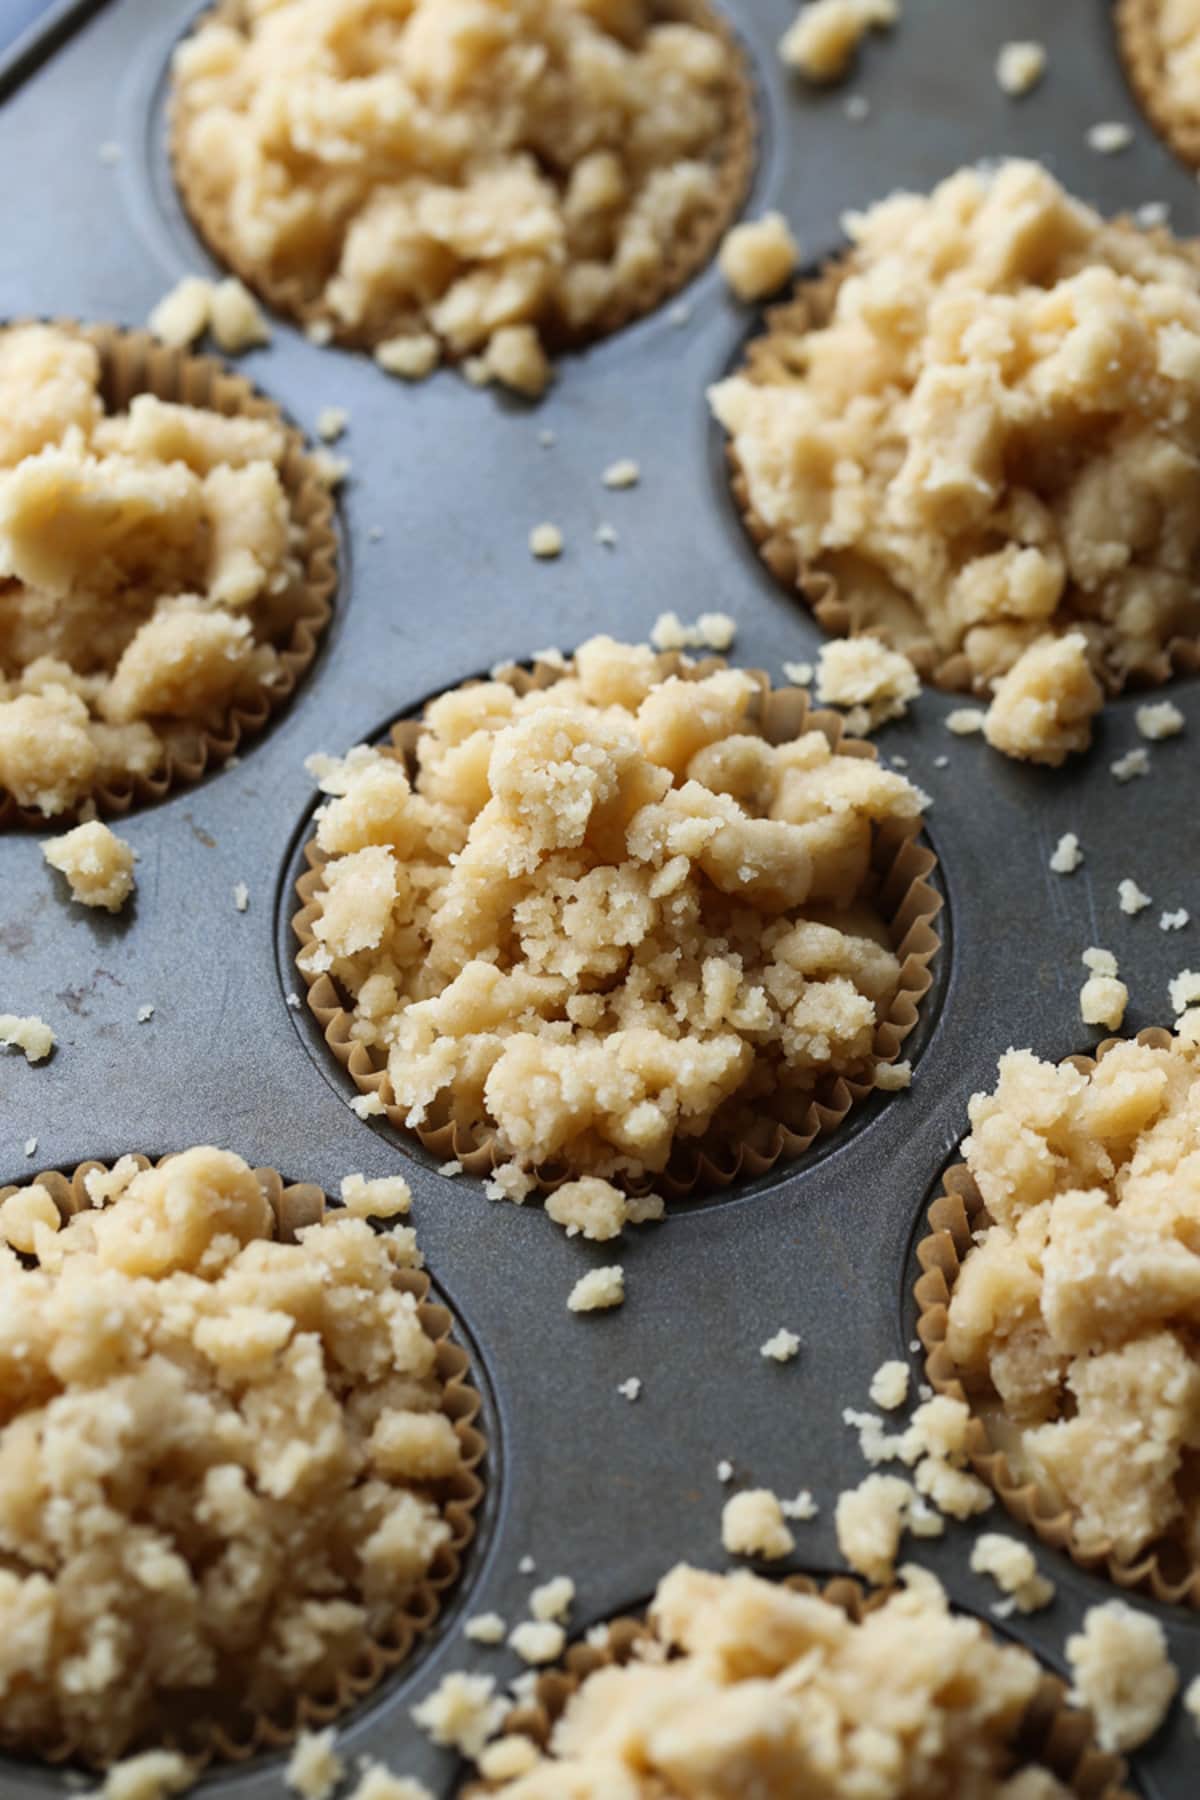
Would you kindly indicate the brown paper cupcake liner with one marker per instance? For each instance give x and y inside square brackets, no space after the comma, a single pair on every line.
[294,297]
[134,362]
[1051,1733]
[902,866]
[1137,23]
[228,1738]
[777,356]
[958,1212]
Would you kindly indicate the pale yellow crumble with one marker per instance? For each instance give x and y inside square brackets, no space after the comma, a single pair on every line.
[822,42]
[1122,1673]
[757,257]
[97,863]
[752,1524]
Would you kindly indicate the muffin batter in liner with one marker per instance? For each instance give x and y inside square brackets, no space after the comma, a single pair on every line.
[1052,1733]
[293,298]
[134,362]
[902,865]
[777,355]
[235,1738]
[958,1212]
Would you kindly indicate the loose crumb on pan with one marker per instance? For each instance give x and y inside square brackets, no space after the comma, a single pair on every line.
[1159,719]
[1012,1567]
[871,1518]
[598,1290]
[821,44]
[752,1524]
[537,1641]
[800,674]
[410,358]
[597,1210]
[97,863]
[526,1566]
[462,1712]
[1042,708]
[1184,991]
[606,535]
[241,896]
[553,1599]
[30,1146]
[862,671]
[1102,1001]
[486,1628]
[1109,136]
[802,1508]
[367,1106]
[378,1783]
[724,1470]
[546,540]
[964,721]
[1174,921]
[314,1768]
[869,1521]
[857,108]
[711,631]
[624,473]
[782,1347]
[1020,65]
[1067,855]
[195,305]
[889,1385]
[151,1775]
[386,1197]
[1122,1672]
[893,1077]
[508,1757]
[145,1013]
[1130,766]
[27,1033]
[109,152]
[631,1388]
[1131,898]
[331,423]
[757,257]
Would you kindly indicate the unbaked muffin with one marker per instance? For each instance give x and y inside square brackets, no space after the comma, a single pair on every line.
[165,566]
[1070,1250]
[604,924]
[740,1685]
[980,432]
[1160,42]
[231,1466]
[446,180]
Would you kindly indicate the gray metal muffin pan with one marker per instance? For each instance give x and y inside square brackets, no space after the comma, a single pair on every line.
[437,583]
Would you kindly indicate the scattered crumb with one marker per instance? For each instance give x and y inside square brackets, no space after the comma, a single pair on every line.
[800,674]
[757,257]
[889,1385]
[547,438]
[941,762]
[862,671]
[892,1078]
[98,865]
[30,1034]
[1161,719]
[367,1106]
[546,540]
[822,41]
[802,1508]
[552,1601]
[1012,1567]
[331,423]
[1020,66]
[379,1783]
[330,469]
[1152,213]
[375,533]
[319,332]
[724,1470]
[510,1756]
[526,1566]
[1131,898]
[183,313]
[622,474]
[752,1524]
[387,1197]
[680,313]
[712,631]
[235,318]
[965,720]
[1042,707]
[153,1775]
[599,1289]
[1066,855]
[241,896]
[858,108]
[485,1628]
[411,358]
[1099,962]
[293,1000]
[536,1642]
[606,535]
[1132,764]
[462,1712]
[314,1768]
[109,152]
[630,1389]
[1102,1001]
[869,1520]
[1174,921]
[145,1013]
[595,1209]
[1184,991]
[1109,136]
[1122,1673]
[31,1146]
[782,1347]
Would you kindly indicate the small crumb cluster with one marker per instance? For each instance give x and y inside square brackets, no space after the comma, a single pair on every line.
[756,258]
[97,863]
[822,43]
[226,308]
[1103,996]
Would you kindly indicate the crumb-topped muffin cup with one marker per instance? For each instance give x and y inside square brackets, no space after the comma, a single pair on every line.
[442,252]
[1163,1568]
[204,1723]
[897,884]
[1051,1734]
[286,615]
[1146,57]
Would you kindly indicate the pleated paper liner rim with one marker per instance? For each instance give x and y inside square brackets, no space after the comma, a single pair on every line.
[901,863]
[225,1737]
[1051,1734]
[134,362]
[775,352]
[957,1213]
[292,296]
[1137,26]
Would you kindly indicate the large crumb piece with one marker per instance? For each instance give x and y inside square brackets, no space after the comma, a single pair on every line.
[889,1385]
[553,1599]
[154,1775]
[387,1197]
[1012,1567]
[1159,719]
[988,439]
[279,1404]
[1122,1673]
[1103,1000]
[314,1768]
[861,671]
[712,631]
[782,1347]
[182,315]
[756,258]
[752,1524]
[870,1520]
[1068,1311]
[597,1210]
[454,182]
[1042,709]
[236,319]
[598,1290]
[604,918]
[1066,856]
[29,1034]
[1109,136]
[97,863]
[537,1641]
[462,1712]
[1020,66]
[749,1689]
[822,42]
[149,572]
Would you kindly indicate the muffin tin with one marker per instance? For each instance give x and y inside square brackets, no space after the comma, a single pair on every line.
[437,584]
